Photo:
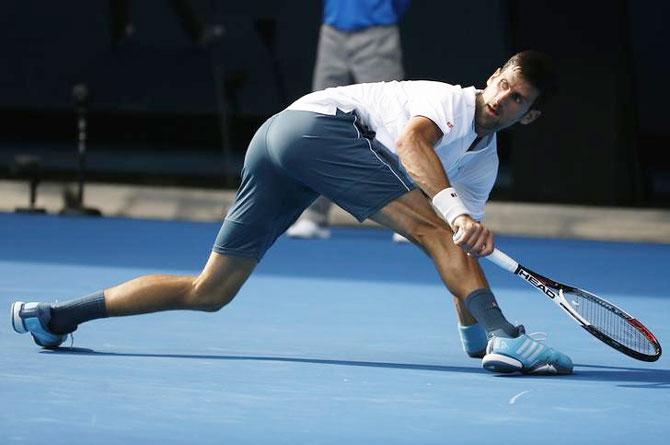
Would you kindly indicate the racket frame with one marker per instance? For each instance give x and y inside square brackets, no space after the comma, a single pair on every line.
[554,290]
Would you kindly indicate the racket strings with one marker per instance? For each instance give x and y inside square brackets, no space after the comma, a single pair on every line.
[606,319]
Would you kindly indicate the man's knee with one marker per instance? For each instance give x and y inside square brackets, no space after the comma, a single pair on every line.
[219,282]
[210,297]
[460,272]
[433,236]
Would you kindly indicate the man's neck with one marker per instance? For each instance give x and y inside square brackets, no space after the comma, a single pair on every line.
[481,132]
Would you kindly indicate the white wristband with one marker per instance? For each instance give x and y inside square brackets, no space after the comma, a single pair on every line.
[448,205]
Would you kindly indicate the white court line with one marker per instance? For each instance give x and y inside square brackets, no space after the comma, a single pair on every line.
[513,399]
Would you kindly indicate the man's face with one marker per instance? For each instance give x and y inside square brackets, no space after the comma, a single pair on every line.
[505,101]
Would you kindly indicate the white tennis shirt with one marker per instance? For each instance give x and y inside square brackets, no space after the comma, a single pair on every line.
[387,107]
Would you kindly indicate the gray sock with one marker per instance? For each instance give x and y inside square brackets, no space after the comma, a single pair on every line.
[483,306]
[66,316]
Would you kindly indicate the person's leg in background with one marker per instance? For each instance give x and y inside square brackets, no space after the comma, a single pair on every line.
[331,70]
[370,55]
[376,54]
[381,61]
[332,67]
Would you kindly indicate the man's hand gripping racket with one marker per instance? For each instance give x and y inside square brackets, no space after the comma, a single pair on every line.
[608,323]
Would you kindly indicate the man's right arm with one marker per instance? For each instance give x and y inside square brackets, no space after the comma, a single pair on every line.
[417,155]
[415,148]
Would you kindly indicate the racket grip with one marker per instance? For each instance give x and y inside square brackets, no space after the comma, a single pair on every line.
[501,259]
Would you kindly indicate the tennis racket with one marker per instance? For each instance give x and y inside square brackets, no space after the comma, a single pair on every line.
[608,323]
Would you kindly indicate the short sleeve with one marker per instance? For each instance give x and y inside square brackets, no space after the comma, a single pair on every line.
[441,103]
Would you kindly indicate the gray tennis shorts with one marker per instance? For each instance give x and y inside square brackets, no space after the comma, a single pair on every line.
[292,159]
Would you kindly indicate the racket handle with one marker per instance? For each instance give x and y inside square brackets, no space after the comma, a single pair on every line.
[501,259]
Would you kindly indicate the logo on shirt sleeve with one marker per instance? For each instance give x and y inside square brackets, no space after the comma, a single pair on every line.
[450,125]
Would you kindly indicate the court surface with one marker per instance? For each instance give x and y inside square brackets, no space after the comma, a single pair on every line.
[346,340]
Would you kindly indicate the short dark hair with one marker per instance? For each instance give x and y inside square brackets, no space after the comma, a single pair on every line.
[537,69]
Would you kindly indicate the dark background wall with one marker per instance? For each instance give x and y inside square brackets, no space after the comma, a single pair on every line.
[157,98]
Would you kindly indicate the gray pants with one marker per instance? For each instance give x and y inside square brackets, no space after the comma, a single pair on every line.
[369,55]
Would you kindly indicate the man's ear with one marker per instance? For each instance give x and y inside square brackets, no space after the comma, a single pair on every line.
[493,76]
[529,117]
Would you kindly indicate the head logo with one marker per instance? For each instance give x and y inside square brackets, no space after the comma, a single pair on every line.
[548,291]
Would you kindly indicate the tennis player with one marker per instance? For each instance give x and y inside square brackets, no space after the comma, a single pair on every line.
[416,156]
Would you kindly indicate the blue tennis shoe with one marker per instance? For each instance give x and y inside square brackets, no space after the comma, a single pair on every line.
[526,355]
[34,318]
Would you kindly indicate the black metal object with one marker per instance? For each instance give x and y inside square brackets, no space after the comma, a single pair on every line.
[29,167]
[75,206]
[267,31]
[214,48]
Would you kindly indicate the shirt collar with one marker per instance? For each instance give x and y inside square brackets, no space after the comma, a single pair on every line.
[471,98]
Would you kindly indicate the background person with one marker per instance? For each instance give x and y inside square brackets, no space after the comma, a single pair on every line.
[359,42]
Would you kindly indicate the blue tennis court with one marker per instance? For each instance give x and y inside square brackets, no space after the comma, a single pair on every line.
[346,340]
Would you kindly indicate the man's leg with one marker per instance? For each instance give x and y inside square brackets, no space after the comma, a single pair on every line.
[509,349]
[267,202]
[213,288]
[411,216]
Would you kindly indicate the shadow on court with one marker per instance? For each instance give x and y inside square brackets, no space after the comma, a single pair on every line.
[415,367]
[651,378]
[633,377]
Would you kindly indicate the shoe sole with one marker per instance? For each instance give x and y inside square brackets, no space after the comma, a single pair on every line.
[17,321]
[504,364]
[501,363]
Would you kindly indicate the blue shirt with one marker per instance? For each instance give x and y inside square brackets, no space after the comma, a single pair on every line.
[353,15]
